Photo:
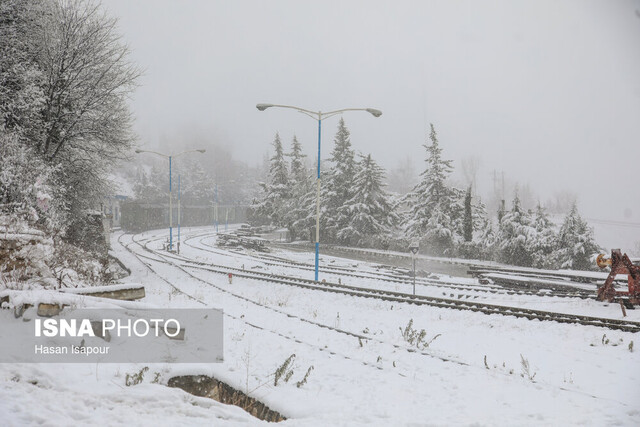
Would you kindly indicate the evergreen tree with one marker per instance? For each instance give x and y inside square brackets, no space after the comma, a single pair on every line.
[575,245]
[298,171]
[468,217]
[276,191]
[298,217]
[545,239]
[432,203]
[515,236]
[370,211]
[475,219]
[339,184]
[439,234]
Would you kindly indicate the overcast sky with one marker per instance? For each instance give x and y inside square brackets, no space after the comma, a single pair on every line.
[546,91]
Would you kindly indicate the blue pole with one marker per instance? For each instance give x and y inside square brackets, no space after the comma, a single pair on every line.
[170,210]
[318,199]
[216,213]
[178,213]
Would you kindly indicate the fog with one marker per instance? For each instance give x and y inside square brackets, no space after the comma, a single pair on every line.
[546,92]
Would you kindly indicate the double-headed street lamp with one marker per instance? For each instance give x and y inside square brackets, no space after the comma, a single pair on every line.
[319,116]
[170,156]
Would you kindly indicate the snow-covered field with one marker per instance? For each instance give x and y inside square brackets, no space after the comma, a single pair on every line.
[478,369]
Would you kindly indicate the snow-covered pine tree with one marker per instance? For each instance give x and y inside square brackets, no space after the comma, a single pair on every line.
[545,240]
[338,186]
[575,245]
[468,217]
[515,235]
[430,196]
[439,236]
[276,192]
[299,215]
[298,171]
[370,209]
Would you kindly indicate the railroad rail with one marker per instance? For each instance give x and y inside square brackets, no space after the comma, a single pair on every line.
[393,296]
[388,277]
[241,319]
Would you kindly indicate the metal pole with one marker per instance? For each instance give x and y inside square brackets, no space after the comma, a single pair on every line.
[226,219]
[170,210]
[414,275]
[178,213]
[216,209]
[318,197]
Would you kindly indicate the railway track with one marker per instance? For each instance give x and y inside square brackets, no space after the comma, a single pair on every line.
[503,288]
[392,296]
[160,259]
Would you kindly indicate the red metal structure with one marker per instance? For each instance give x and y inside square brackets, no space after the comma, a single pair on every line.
[620,264]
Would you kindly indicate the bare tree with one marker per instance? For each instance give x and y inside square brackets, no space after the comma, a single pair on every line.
[64,81]
[87,80]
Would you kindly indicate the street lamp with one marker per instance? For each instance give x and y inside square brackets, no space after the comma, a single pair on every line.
[319,116]
[170,156]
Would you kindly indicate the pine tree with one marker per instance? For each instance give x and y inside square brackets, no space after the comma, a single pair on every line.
[545,240]
[515,236]
[575,245]
[432,203]
[468,217]
[276,193]
[298,171]
[370,211]
[278,167]
[339,184]
[298,217]
[439,235]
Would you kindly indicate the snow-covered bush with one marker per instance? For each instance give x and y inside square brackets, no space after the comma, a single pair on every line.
[515,236]
[576,247]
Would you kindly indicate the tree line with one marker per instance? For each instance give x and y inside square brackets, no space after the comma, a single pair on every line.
[445,220]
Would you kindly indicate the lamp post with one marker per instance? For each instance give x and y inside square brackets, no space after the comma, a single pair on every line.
[319,116]
[179,217]
[170,157]
[215,200]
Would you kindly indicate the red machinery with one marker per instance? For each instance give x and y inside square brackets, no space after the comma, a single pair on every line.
[620,264]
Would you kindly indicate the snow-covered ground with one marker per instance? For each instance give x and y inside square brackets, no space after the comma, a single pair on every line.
[478,369]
